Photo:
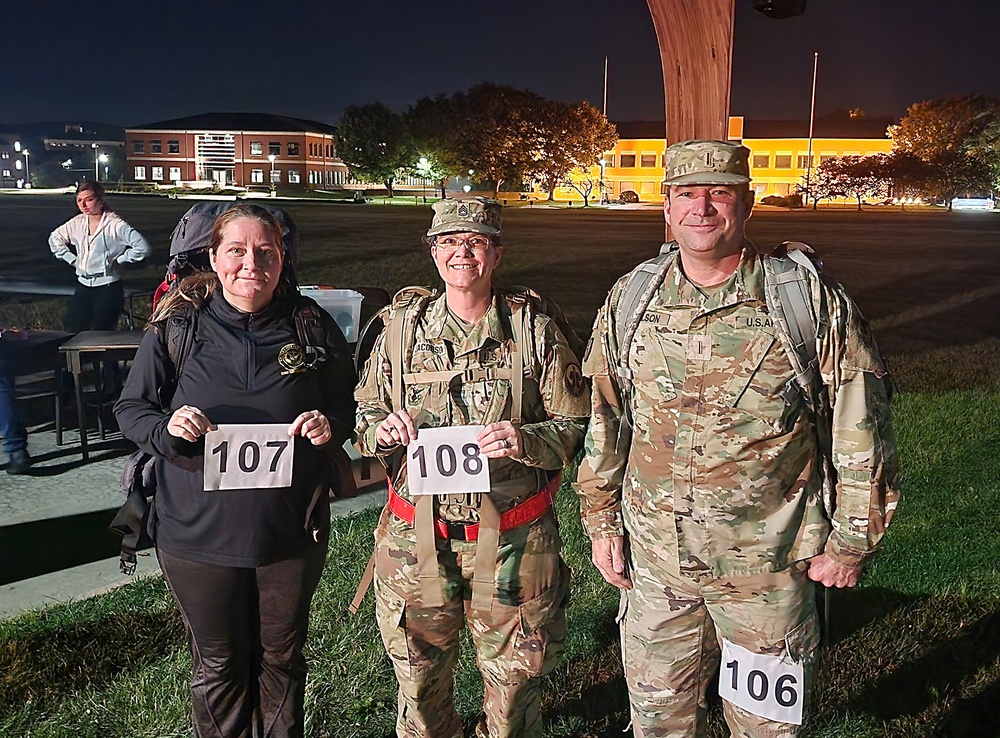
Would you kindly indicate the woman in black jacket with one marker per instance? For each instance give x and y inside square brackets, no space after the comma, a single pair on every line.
[243,450]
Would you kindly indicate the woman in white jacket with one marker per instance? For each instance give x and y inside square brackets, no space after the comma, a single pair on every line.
[96,242]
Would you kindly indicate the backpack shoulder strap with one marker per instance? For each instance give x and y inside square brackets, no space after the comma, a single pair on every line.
[178,334]
[407,306]
[788,290]
[641,284]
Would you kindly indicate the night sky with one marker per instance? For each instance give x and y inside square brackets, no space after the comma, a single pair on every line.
[140,62]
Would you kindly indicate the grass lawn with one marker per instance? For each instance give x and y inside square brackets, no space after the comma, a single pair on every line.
[914,651]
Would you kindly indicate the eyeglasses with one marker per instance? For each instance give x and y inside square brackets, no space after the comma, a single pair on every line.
[450,244]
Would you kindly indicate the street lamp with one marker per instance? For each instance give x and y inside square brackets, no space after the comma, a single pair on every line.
[103,158]
[271,158]
[27,172]
[97,174]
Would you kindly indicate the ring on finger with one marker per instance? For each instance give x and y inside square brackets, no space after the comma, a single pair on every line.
[505,442]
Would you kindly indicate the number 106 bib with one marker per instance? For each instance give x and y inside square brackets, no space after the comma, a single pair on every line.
[248,457]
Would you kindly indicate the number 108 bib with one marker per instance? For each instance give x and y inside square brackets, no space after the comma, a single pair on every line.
[248,457]
[447,461]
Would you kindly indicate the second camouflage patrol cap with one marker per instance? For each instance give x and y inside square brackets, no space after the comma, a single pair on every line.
[707,162]
[470,215]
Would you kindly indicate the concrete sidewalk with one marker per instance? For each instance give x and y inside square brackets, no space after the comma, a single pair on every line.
[60,491]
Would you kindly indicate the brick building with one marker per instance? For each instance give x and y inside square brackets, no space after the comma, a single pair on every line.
[235,149]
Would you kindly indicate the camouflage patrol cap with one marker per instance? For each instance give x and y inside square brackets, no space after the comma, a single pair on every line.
[470,215]
[707,162]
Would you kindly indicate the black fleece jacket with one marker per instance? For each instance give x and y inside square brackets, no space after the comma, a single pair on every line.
[232,374]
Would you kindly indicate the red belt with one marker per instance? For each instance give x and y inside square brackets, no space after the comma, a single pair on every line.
[528,511]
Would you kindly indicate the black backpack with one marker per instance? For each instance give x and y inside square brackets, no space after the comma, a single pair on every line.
[190,238]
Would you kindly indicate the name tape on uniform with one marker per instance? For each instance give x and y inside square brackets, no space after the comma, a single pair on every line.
[248,457]
[444,461]
[768,686]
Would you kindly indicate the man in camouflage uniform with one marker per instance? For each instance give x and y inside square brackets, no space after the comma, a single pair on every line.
[702,482]
[495,560]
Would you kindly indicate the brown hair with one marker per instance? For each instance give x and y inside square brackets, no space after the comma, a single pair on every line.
[197,289]
[94,187]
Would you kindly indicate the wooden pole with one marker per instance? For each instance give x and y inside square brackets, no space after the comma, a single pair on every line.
[696,50]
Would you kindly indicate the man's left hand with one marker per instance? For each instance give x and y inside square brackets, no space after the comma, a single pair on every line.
[830,573]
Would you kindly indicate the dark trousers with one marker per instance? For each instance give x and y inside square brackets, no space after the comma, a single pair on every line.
[97,309]
[247,628]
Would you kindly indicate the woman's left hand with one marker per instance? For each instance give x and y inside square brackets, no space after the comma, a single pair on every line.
[501,439]
[313,425]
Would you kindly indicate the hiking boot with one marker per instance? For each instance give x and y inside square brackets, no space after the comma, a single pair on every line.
[19,462]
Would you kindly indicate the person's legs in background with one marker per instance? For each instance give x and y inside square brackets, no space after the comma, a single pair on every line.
[15,437]
[108,303]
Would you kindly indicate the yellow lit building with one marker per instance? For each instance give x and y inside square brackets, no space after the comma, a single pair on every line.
[779,153]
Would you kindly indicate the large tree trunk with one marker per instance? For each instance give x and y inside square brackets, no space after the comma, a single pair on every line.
[496,190]
[388,185]
[859,203]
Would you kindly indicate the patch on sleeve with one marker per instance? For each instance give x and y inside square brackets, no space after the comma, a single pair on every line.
[573,378]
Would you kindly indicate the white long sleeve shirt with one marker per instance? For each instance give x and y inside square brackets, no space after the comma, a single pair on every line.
[96,257]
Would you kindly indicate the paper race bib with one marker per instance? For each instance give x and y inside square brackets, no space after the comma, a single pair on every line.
[447,460]
[769,686]
[248,457]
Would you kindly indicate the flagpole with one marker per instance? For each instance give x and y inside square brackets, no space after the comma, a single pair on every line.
[812,118]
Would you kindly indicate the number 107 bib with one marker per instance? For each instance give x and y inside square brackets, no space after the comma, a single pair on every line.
[248,457]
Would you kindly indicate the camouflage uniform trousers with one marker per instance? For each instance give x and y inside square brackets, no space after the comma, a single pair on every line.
[672,628]
[517,641]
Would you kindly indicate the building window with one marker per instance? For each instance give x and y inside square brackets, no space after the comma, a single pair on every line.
[257,176]
[782,161]
[609,160]
[274,147]
[173,147]
[626,185]
[782,189]
[140,173]
[293,148]
[804,161]
[138,147]
[256,148]
[627,160]
[647,160]
[761,161]
[157,174]
[275,176]
[293,176]
[826,157]
[156,147]
[760,190]
[649,188]
[175,174]
[6,173]
[5,155]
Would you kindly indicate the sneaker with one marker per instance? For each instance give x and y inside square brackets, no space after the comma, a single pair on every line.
[19,462]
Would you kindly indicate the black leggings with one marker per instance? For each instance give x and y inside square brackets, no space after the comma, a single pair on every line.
[246,628]
[97,309]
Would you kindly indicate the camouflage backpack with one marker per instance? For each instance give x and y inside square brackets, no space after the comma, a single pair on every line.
[789,300]
[409,304]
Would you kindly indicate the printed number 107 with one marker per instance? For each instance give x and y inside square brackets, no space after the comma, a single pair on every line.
[248,457]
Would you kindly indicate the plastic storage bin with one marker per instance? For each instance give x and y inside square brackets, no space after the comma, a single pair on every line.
[343,305]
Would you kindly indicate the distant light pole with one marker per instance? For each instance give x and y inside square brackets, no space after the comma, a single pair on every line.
[97,153]
[271,158]
[27,172]
[103,158]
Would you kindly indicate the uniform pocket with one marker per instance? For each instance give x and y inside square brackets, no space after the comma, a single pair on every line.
[759,385]
[539,633]
[390,613]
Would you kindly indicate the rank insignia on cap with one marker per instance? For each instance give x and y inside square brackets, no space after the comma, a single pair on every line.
[463,210]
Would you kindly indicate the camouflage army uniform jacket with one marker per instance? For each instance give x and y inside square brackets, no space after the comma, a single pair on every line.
[555,404]
[722,469]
